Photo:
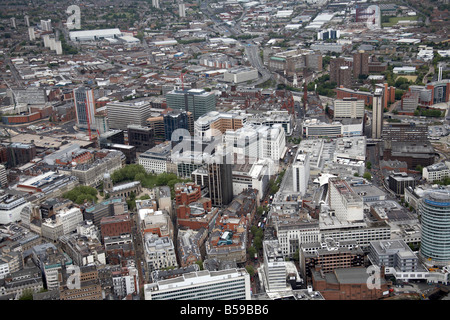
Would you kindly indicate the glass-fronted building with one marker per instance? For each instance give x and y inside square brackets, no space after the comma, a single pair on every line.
[435,218]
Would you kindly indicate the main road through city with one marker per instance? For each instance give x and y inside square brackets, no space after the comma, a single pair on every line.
[252,51]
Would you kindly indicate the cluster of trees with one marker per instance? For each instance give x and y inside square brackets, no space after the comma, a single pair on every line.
[258,234]
[136,172]
[82,194]
[324,86]
[274,185]
[443,182]
[428,112]
[67,49]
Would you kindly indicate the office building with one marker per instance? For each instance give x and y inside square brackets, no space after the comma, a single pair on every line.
[83,250]
[125,281]
[393,254]
[196,101]
[229,284]
[13,208]
[293,231]
[432,93]
[112,137]
[18,154]
[398,181]
[123,114]
[105,161]
[18,282]
[256,141]
[159,252]
[360,64]
[156,122]
[142,138]
[300,172]
[177,119]
[348,108]
[157,159]
[220,177]
[275,269]
[116,225]
[434,210]
[436,172]
[240,74]
[377,114]
[108,207]
[254,175]
[89,285]
[405,132]
[51,262]
[85,107]
[215,123]
[346,203]
[330,255]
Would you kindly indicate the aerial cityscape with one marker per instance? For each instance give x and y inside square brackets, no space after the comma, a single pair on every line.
[256,150]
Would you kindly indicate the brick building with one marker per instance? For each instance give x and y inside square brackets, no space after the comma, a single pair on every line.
[193,211]
[90,288]
[360,64]
[115,225]
[348,284]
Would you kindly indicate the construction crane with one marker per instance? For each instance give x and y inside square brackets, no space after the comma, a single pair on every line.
[182,79]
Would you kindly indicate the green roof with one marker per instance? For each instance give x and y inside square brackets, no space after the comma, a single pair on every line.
[277,58]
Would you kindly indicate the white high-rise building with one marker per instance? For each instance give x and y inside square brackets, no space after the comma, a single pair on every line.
[348,108]
[46,25]
[300,171]
[70,218]
[346,203]
[229,284]
[31,34]
[155,3]
[58,47]
[13,23]
[182,10]
[3,177]
[123,114]
[377,114]
[27,21]
[275,270]
[257,142]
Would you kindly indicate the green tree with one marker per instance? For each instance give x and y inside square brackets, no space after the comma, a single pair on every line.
[257,242]
[251,251]
[27,294]
[200,264]
[367,176]
[297,255]
[80,194]
[250,270]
